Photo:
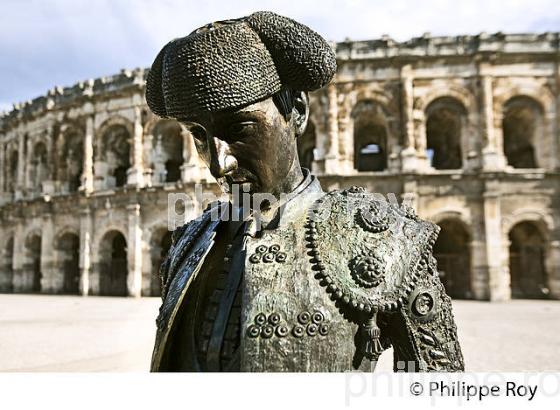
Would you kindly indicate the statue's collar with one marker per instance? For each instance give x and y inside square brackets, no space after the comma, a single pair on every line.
[290,206]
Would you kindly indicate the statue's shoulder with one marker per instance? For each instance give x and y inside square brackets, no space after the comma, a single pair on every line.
[182,239]
[370,251]
[373,212]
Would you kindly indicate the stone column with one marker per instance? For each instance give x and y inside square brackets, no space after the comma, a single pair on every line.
[87,172]
[498,277]
[86,238]
[29,184]
[555,163]
[479,270]
[332,155]
[2,169]
[409,154]
[134,279]
[18,282]
[49,282]
[190,170]
[553,269]
[492,152]
[136,171]
[21,167]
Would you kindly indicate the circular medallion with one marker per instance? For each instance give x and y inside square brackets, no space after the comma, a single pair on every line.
[372,217]
[423,304]
[367,270]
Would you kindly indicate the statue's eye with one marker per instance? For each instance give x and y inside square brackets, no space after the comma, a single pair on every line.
[241,128]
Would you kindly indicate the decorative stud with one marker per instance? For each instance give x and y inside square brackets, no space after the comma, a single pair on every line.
[260,319]
[312,329]
[282,331]
[267,331]
[274,319]
[253,331]
[298,331]
[304,318]
[317,318]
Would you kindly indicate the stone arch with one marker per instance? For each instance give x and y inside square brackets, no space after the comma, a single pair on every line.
[446,122]
[522,129]
[113,150]
[370,130]
[527,261]
[453,253]
[32,267]
[7,265]
[306,144]
[67,259]
[538,93]
[541,219]
[113,264]
[166,150]
[460,94]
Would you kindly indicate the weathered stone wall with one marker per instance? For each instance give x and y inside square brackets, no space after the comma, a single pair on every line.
[466,129]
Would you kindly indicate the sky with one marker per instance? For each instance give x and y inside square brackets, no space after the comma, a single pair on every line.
[44,43]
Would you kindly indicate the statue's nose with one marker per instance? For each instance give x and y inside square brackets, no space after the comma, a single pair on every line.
[221,161]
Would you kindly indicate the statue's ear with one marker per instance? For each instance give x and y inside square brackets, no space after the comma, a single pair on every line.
[300,113]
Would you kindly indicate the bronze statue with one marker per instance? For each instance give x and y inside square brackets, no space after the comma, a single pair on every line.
[306,280]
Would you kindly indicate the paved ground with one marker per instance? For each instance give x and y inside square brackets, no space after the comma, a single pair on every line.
[59,333]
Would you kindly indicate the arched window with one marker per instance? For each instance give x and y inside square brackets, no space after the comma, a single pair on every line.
[370,137]
[168,151]
[527,262]
[453,256]
[32,274]
[113,265]
[68,255]
[116,153]
[444,128]
[39,170]
[71,159]
[522,124]
[12,171]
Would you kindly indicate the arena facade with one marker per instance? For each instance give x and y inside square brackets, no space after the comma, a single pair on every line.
[466,129]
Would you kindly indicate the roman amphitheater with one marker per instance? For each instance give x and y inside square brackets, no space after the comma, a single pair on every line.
[467,129]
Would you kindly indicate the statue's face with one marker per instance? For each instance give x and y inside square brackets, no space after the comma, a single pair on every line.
[254,145]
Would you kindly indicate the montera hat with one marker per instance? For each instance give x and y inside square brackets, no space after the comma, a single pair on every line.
[234,63]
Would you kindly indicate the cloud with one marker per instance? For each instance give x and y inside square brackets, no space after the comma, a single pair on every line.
[60,42]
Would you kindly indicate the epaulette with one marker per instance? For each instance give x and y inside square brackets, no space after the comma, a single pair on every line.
[368,254]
